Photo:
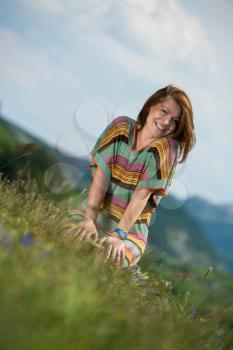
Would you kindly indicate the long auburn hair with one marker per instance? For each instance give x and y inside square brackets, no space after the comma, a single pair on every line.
[184,132]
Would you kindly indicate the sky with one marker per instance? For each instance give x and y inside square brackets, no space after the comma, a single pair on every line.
[68,67]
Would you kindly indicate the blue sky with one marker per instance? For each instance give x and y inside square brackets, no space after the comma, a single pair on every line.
[67,68]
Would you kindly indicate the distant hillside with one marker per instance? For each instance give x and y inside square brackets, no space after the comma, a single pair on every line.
[204,210]
[216,222]
[54,171]
[178,234]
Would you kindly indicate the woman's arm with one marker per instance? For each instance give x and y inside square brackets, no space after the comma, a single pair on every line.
[115,249]
[97,192]
[86,228]
[134,208]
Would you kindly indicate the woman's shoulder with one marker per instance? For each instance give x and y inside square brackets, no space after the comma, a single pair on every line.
[120,119]
[167,149]
[174,149]
[120,125]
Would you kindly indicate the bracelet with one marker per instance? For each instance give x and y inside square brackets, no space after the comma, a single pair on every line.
[118,232]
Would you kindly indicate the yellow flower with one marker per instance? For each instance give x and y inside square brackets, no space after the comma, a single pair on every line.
[119,316]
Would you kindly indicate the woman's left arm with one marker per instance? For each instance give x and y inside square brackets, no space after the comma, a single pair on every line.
[134,208]
[115,249]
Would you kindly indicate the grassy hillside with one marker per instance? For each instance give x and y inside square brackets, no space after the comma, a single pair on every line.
[60,296]
[56,173]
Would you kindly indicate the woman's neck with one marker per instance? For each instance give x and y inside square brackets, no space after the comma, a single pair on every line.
[143,139]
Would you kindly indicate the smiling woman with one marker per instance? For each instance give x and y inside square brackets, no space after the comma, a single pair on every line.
[133,163]
[160,122]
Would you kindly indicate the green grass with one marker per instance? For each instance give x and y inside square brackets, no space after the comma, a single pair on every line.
[55,295]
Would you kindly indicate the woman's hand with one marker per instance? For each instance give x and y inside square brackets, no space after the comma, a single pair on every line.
[114,250]
[84,230]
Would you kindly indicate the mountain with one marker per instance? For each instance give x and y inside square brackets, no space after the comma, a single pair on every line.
[204,210]
[55,172]
[216,222]
[176,233]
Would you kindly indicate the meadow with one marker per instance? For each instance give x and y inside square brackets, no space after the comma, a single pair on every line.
[57,295]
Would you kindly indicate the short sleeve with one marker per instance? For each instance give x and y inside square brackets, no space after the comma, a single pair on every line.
[105,148]
[159,169]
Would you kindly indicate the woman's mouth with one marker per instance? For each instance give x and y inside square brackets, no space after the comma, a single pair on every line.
[158,127]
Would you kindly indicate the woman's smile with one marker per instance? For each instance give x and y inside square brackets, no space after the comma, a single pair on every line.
[159,127]
[160,130]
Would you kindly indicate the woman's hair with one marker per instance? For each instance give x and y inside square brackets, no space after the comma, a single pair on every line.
[184,132]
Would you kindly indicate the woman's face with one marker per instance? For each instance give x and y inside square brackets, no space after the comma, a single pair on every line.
[163,118]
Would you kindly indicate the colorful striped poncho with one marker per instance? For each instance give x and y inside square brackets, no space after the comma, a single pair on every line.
[128,170]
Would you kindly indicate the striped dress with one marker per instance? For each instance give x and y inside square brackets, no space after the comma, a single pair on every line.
[129,169]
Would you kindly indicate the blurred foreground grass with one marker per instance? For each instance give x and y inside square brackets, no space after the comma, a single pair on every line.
[55,295]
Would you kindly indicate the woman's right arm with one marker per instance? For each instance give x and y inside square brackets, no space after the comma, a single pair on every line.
[97,191]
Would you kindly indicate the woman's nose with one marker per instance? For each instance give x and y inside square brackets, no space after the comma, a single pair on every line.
[166,121]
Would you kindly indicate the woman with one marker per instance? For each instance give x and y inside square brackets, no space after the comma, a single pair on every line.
[133,163]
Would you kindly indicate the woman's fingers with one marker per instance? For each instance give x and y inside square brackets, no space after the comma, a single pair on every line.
[89,227]
[87,236]
[80,237]
[91,236]
[120,258]
[114,253]
[77,231]
[108,253]
[95,236]
[82,234]
[117,256]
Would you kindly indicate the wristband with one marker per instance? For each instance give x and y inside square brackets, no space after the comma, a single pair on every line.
[118,232]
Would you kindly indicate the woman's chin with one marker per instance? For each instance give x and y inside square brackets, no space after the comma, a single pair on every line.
[157,132]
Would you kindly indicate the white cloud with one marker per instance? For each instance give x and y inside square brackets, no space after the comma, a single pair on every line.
[147,38]
[28,66]
[67,7]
